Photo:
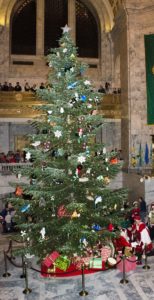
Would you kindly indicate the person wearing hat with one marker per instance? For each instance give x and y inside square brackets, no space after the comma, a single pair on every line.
[135,211]
[151,221]
[142,234]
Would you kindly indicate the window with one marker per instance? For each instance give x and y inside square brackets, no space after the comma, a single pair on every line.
[24,28]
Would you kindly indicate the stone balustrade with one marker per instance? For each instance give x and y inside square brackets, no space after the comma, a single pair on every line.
[20,105]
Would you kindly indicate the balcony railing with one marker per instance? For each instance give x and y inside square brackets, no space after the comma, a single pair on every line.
[20,105]
[10,168]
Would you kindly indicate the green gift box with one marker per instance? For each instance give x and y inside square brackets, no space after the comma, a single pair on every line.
[62,263]
[96,263]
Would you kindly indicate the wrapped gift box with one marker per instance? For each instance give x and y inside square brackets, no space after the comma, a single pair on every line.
[50,259]
[80,261]
[62,263]
[105,253]
[95,263]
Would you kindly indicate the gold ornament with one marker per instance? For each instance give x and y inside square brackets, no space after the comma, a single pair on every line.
[75,215]
[72,56]
[62,45]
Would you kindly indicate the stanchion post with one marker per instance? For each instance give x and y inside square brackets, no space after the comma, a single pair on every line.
[26,290]
[124,280]
[83,292]
[23,268]
[146,266]
[6,274]
[11,250]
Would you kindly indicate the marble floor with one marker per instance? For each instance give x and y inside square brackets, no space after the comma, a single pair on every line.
[100,286]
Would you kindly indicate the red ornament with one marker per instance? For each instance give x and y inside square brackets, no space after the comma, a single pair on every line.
[110,227]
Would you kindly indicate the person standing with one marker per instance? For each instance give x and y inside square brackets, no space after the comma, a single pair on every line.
[143,208]
[151,221]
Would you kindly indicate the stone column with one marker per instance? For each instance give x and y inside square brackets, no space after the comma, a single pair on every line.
[72,18]
[40,28]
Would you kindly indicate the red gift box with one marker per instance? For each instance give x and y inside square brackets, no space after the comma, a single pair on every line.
[49,260]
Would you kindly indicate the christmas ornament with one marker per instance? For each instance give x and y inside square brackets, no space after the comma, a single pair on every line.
[50,64]
[42,232]
[59,74]
[104,150]
[23,233]
[87,82]
[49,112]
[66,29]
[72,85]
[75,215]
[88,171]
[25,208]
[83,98]
[18,191]
[100,177]
[28,155]
[98,200]
[61,110]
[36,144]
[89,105]
[81,159]
[58,133]
[80,132]
[72,69]
[72,56]
[110,227]
[96,227]
[19,176]
[29,256]
[83,179]
[64,50]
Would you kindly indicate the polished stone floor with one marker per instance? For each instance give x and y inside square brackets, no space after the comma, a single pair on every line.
[100,286]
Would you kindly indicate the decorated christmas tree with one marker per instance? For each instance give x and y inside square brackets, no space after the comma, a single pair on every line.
[67,206]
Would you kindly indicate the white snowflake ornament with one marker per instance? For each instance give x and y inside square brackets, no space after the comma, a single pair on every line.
[23,233]
[81,159]
[58,133]
[28,155]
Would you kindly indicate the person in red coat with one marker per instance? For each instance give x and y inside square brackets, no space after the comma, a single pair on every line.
[142,234]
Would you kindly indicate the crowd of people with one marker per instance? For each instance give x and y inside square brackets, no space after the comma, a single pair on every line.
[9,87]
[26,87]
[13,157]
[107,89]
[137,232]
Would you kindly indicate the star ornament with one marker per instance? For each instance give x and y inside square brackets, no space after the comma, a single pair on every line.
[58,133]
[65,29]
[81,159]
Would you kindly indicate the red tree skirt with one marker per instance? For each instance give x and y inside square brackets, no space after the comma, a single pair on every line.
[71,271]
